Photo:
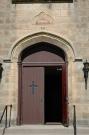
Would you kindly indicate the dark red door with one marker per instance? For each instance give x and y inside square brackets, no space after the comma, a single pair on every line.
[32,95]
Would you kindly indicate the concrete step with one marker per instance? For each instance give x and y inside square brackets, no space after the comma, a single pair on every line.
[45,130]
[1,130]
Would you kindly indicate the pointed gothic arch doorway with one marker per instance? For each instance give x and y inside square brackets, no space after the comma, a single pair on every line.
[42,85]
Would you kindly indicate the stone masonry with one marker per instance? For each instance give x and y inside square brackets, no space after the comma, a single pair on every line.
[19,24]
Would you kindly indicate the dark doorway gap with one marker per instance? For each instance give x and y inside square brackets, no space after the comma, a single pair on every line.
[53,94]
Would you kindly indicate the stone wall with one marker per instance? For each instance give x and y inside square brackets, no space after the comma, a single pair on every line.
[69,21]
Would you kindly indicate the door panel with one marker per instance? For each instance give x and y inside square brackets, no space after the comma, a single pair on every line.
[32,95]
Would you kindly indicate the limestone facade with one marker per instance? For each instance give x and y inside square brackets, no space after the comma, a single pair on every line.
[65,25]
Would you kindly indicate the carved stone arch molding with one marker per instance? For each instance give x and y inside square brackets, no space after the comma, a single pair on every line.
[42,37]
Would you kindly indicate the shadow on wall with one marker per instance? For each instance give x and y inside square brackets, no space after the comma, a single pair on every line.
[1,70]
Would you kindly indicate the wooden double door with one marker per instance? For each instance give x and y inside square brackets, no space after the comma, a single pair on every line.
[43,95]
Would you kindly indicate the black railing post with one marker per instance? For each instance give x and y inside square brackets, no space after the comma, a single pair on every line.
[2,115]
[74,120]
[10,116]
[6,118]
[5,113]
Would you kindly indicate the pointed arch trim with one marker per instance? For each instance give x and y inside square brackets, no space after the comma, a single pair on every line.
[41,37]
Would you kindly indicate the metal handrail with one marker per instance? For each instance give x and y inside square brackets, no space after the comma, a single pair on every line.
[5,112]
[74,120]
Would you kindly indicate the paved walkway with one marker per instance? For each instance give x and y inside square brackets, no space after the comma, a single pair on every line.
[45,130]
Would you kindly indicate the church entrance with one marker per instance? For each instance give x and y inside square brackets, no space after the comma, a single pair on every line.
[42,89]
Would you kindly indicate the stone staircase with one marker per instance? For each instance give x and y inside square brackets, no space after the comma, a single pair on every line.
[45,130]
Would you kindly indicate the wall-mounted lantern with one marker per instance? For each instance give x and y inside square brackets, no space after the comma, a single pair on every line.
[1,69]
[86,70]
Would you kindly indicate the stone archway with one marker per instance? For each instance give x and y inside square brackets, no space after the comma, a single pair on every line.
[43,37]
